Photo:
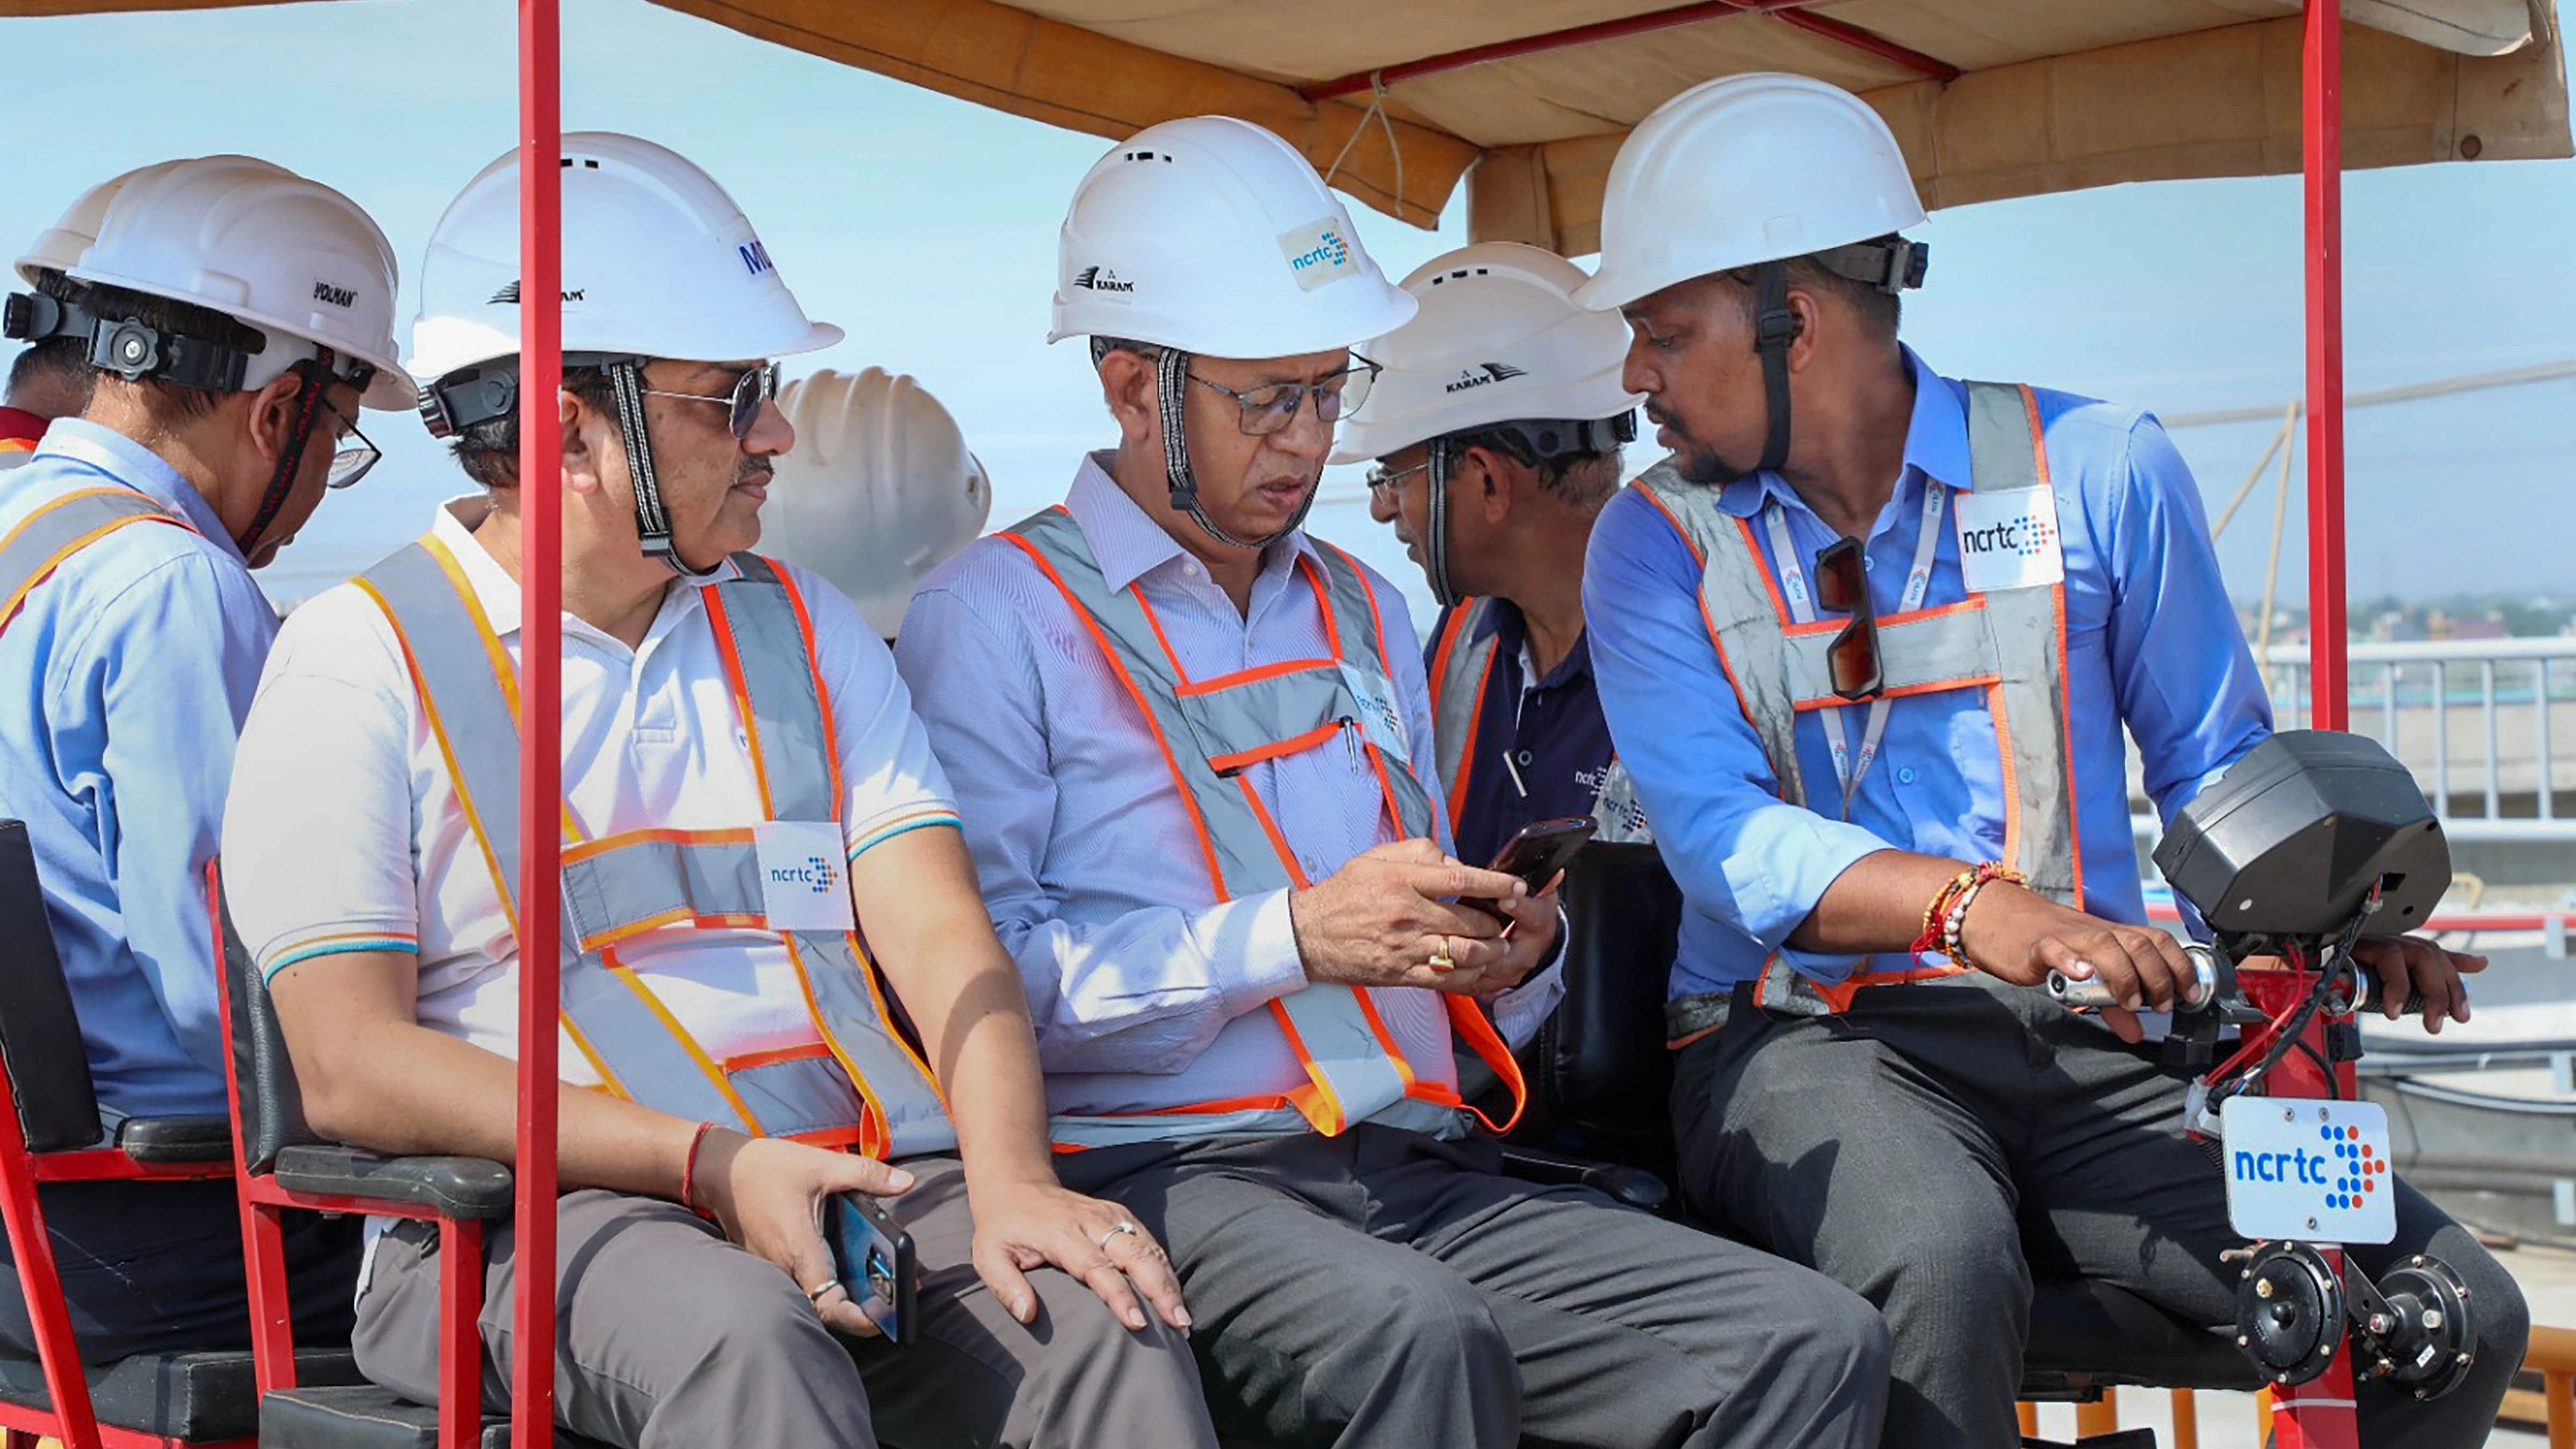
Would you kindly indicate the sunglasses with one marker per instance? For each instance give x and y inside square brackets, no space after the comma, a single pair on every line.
[1842,585]
[743,404]
[1266,410]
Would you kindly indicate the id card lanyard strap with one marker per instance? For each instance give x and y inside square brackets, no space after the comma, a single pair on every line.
[1848,771]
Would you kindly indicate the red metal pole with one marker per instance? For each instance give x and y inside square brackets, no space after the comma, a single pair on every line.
[40,1284]
[2322,150]
[532,1326]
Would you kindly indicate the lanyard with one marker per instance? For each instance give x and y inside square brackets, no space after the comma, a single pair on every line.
[1848,772]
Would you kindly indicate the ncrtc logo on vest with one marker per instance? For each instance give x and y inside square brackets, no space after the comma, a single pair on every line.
[2348,1171]
[2026,536]
[818,874]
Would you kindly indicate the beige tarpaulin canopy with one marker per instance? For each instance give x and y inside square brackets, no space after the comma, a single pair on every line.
[1528,99]
[1992,98]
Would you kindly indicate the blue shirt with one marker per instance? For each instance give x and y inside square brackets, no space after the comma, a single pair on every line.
[123,682]
[1551,731]
[2152,644]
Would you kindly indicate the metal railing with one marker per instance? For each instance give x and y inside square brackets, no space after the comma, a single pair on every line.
[2408,695]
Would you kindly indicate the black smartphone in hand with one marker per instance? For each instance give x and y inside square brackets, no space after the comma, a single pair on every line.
[1536,853]
[872,1256]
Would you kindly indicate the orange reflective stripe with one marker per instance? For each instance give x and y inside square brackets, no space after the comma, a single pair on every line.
[774,1055]
[822,698]
[607,1079]
[676,916]
[10,605]
[723,630]
[877,1129]
[1467,742]
[447,753]
[1973,604]
[1700,597]
[1154,622]
[1770,575]
[1270,828]
[1468,1020]
[1315,1101]
[1240,759]
[1324,603]
[1254,675]
[1180,784]
[714,1074]
[1986,680]
[1385,1039]
[573,854]
[2011,777]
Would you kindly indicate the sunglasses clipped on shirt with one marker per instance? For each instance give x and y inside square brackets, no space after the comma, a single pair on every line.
[1842,585]
[755,387]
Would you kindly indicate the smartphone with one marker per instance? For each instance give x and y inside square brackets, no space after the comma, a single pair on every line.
[872,1255]
[1536,853]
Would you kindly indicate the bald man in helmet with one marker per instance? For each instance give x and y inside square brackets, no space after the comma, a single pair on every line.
[1869,641]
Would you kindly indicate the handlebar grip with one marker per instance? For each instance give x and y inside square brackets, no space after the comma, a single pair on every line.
[2366,996]
[2095,993]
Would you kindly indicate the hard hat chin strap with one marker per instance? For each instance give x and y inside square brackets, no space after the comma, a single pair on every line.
[312,381]
[652,520]
[1435,539]
[1171,392]
[1774,328]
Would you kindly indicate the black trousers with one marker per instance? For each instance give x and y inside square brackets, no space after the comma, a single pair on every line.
[156,1267]
[1383,1288]
[1939,1142]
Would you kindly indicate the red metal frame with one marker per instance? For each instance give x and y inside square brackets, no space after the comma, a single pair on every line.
[2319,1413]
[2321,154]
[1787,12]
[532,1344]
[73,1419]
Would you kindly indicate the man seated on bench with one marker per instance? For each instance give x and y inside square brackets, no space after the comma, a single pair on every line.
[1495,428]
[1869,640]
[744,786]
[131,635]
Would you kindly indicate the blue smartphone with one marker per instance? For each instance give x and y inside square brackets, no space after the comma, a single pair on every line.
[872,1254]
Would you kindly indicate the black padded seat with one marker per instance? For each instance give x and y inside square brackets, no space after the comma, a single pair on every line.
[2085,1333]
[363,1416]
[194,1396]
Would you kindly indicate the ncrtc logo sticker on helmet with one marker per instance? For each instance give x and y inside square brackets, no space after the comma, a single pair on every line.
[1317,253]
[1485,374]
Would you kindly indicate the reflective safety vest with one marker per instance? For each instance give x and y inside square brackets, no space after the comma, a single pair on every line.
[2010,643]
[857,1083]
[1462,665]
[1211,732]
[47,538]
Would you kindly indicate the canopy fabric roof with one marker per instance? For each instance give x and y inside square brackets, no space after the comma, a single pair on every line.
[1990,98]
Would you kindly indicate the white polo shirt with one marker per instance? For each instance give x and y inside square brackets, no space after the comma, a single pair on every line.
[344,833]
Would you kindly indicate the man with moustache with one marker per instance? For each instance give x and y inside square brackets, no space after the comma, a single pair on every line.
[1191,743]
[2024,574]
[230,319]
[778,983]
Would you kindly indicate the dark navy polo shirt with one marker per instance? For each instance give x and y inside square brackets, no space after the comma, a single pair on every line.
[1555,738]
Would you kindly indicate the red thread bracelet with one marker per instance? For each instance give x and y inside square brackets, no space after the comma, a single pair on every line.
[689,1166]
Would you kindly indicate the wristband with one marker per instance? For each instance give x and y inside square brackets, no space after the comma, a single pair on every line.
[689,1166]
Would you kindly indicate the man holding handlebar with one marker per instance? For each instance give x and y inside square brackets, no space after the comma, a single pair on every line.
[1871,676]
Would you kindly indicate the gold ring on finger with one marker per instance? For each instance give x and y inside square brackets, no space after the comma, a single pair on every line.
[1441,960]
[815,1294]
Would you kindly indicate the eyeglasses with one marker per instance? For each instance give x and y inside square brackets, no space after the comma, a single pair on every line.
[353,455]
[1842,585]
[1383,477]
[753,388]
[1267,409]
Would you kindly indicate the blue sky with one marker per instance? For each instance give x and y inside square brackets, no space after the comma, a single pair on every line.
[926,227]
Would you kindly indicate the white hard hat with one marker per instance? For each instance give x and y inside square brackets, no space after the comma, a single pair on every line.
[1212,236]
[1498,340]
[281,253]
[879,490]
[1747,169]
[58,247]
[657,262]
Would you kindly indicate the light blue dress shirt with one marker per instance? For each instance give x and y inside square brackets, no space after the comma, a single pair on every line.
[123,682]
[1146,991]
[2152,644]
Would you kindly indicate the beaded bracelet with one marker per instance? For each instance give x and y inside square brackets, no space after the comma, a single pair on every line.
[1946,918]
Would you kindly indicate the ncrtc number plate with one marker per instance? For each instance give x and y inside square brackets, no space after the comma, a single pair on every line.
[2317,1171]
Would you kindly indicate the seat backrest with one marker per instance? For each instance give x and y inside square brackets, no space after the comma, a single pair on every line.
[268,1106]
[40,1037]
[1602,1066]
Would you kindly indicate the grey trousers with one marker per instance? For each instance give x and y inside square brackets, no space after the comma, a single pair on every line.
[1941,1142]
[1383,1288]
[669,1337]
